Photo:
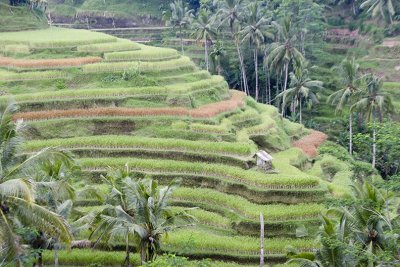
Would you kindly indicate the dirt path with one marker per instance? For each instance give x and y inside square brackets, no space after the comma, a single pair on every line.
[310,143]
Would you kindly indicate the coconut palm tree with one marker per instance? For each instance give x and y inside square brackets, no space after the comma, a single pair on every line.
[230,12]
[300,90]
[17,191]
[380,8]
[284,51]
[372,104]
[349,72]
[204,30]
[255,31]
[179,16]
[135,212]
[154,216]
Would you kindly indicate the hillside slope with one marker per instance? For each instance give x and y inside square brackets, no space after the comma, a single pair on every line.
[114,102]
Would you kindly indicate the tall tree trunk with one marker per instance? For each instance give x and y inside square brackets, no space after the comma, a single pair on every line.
[269,85]
[127,258]
[373,142]
[300,110]
[351,133]
[181,37]
[261,240]
[40,258]
[56,253]
[285,83]
[242,68]
[256,69]
[206,52]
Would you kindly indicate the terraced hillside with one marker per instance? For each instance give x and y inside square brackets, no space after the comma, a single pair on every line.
[114,102]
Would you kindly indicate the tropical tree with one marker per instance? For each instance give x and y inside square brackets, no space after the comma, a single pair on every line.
[230,12]
[301,89]
[216,54]
[17,192]
[179,16]
[255,31]
[372,104]
[284,51]
[204,30]
[380,8]
[349,72]
[53,178]
[135,212]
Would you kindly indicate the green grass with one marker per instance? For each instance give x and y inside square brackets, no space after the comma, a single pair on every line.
[146,53]
[277,181]
[175,65]
[247,209]
[193,240]
[19,18]
[54,38]
[207,84]
[119,45]
[115,141]
[31,75]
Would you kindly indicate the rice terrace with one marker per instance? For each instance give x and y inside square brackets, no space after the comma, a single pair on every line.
[199,133]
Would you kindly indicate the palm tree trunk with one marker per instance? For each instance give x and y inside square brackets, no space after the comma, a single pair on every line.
[256,70]
[301,112]
[351,133]
[127,258]
[261,240]
[285,83]
[373,142]
[56,253]
[286,75]
[242,68]
[206,52]
[180,35]
[40,258]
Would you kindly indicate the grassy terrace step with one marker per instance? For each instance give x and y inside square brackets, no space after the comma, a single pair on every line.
[273,213]
[213,81]
[214,170]
[205,111]
[146,53]
[8,62]
[182,63]
[54,38]
[90,257]
[114,141]
[254,194]
[119,45]
[192,241]
[31,75]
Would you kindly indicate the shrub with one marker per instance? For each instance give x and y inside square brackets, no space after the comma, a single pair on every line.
[335,150]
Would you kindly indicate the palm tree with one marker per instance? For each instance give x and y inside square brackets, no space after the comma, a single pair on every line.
[230,12]
[54,190]
[374,103]
[204,30]
[216,54]
[284,52]
[301,87]
[17,202]
[179,16]
[135,212]
[154,216]
[255,31]
[349,71]
[380,8]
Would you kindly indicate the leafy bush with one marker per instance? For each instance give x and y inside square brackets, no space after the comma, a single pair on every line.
[335,150]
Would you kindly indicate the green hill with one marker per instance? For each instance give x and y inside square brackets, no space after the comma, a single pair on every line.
[114,102]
